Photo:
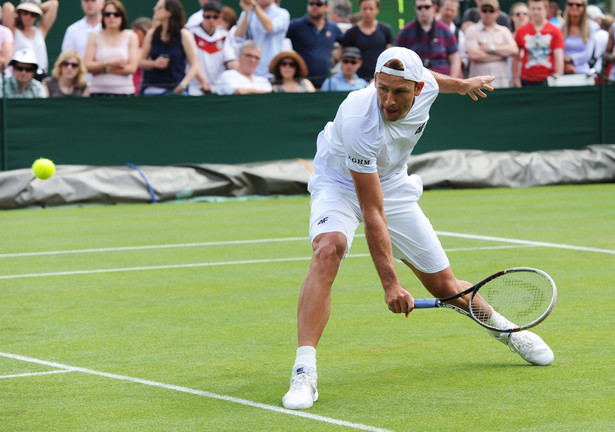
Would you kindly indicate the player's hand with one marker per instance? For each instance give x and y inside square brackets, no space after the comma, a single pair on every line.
[399,300]
[475,86]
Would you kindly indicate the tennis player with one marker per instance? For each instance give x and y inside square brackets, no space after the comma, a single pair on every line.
[360,174]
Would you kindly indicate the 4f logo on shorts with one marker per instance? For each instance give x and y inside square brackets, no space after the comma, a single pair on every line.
[323,221]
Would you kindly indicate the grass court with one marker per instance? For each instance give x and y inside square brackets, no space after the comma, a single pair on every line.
[181,316]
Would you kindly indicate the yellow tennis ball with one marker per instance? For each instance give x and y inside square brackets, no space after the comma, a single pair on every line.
[43,168]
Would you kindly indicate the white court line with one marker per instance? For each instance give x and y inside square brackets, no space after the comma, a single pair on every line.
[210,395]
[35,374]
[527,242]
[291,239]
[146,247]
[212,264]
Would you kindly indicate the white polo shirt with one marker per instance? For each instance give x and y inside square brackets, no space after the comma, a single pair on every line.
[359,139]
[76,36]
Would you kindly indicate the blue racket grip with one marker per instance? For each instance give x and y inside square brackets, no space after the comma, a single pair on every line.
[425,303]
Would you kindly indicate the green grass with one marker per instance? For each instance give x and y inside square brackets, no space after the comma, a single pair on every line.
[227,324]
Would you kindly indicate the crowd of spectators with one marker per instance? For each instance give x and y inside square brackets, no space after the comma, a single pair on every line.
[330,48]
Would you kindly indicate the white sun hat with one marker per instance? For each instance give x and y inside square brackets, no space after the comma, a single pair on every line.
[413,65]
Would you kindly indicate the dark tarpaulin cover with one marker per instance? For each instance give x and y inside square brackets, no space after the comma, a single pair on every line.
[74,184]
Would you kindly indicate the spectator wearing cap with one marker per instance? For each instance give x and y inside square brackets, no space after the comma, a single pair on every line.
[213,50]
[313,37]
[22,85]
[22,22]
[489,46]
[601,35]
[347,79]
[432,40]
[289,72]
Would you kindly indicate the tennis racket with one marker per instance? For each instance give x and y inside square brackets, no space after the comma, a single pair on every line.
[507,301]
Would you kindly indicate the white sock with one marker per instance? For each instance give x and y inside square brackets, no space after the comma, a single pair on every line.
[306,356]
[498,320]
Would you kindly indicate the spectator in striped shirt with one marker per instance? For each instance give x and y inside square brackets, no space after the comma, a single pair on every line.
[432,40]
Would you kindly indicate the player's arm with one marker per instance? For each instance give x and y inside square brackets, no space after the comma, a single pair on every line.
[471,86]
[369,193]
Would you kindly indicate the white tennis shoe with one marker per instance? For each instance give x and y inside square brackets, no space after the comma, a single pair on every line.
[529,346]
[303,392]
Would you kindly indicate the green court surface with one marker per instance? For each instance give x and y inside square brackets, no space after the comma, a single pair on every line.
[182,317]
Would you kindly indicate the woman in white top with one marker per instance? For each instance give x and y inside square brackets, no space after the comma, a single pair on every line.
[112,55]
[22,21]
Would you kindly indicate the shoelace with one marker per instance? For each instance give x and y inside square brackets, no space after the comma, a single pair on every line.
[300,380]
[521,344]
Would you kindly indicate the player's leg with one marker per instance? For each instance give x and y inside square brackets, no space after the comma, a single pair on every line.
[416,243]
[528,345]
[315,297]
[333,222]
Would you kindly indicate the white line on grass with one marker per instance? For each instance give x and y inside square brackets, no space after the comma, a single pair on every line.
[212,264]
[245,402]
[36,374]
[146,247]
[527,242]
[291,239]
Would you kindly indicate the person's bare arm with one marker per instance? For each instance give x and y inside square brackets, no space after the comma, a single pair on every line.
[470,86]
[50,13]
[558,58]
[369,193]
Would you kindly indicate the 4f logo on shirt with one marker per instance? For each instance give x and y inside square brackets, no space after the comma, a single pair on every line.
[420,129]
[323,221]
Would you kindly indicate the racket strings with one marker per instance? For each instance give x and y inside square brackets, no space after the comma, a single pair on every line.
[515,299]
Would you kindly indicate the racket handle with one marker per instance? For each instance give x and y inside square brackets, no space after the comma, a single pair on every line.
[425,303]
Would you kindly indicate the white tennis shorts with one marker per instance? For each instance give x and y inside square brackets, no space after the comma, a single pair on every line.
[335,209]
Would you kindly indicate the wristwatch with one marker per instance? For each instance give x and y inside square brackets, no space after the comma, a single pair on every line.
[492,49]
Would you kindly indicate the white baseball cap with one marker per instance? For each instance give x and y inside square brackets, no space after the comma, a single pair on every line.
[25,56]
[594,12]
[413,65]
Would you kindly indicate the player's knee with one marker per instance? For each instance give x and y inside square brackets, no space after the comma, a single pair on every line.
[330,249]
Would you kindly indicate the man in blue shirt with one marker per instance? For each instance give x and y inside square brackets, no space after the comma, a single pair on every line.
[264,22]
[313,37]
[346,79]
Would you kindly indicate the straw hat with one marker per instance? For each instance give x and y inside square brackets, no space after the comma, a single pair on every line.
[302,69]
[31,6]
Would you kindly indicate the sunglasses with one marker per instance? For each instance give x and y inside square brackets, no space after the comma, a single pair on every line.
[487,10]
[579,5]
[349,61]
[24,69]
[253,57]
[25,12]
[73,65]
[214,17]
[317,4]
[115,14]
[426,7]
[288,63]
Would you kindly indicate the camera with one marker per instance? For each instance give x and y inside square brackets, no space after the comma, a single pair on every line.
[427,63]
